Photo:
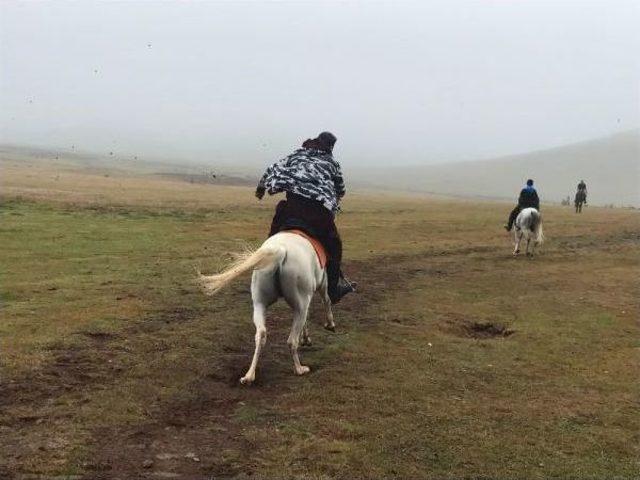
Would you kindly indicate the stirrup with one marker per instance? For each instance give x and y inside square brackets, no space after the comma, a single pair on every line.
[343,288]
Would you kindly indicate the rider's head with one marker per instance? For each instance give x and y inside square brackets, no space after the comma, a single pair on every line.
[529,183]
[325,142]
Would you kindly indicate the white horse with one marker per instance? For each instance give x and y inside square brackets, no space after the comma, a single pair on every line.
[285,265]
[528,225]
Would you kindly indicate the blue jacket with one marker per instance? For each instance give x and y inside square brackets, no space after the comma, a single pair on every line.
[529,198]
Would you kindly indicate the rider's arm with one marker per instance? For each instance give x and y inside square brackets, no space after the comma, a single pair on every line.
[338,182]
[260,189]
[271,170]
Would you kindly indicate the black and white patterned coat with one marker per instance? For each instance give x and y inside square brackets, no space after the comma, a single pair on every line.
[310,173]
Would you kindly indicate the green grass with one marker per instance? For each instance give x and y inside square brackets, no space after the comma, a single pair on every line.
[110,355]
[544,402]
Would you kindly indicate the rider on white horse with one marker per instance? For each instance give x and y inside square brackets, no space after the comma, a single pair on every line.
[312,180]
[528,199]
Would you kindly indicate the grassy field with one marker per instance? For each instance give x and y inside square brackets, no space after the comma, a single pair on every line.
[454,361]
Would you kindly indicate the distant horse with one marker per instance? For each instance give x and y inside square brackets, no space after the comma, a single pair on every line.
[581,197]
[288,265]
[528,225]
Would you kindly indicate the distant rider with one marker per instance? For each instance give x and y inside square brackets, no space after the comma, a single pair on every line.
[528,199]
[582,187]
[312,180]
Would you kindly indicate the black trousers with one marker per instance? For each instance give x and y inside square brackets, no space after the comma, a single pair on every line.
[513,215]
[313,218]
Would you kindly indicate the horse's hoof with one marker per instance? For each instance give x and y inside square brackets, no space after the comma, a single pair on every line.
[246,380]
[331,328]
[302,370]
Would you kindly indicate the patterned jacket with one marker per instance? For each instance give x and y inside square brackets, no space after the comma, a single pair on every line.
[310,173]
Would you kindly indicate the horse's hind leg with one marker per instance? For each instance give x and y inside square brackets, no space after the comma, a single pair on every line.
[259,311]
[300,312]
[516,250]
[306,339]
[328,324]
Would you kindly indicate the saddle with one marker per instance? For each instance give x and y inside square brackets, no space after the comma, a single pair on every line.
[317,246]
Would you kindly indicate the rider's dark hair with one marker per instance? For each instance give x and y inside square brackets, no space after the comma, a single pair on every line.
[325,142]
[530,183]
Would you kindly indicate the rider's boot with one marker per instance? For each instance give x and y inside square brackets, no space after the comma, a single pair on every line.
[512,218]
[338,286]
[342,288]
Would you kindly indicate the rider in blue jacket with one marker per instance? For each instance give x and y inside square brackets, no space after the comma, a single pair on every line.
[528,199]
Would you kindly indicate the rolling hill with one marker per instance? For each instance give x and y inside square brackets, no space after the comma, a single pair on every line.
[610,166]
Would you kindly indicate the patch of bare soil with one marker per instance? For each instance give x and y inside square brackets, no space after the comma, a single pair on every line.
[429,272]
[72,368]
[480,330]
[189,437]
[31,406]
[486,330]
[209,178]
[31,403]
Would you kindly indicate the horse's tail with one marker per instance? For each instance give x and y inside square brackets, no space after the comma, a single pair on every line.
[263,257]
[539,232]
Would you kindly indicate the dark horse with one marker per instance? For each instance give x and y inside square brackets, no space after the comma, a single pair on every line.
[581,197]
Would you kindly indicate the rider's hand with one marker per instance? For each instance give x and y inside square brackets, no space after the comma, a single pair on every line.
[260,192]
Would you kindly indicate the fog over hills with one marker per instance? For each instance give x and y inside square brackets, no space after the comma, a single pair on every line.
[610,166]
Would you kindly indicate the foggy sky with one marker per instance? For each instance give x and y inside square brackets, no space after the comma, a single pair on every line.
[397,82]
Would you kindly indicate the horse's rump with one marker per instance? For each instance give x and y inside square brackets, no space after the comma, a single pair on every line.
[528,218]
[321,253]
[535,220]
